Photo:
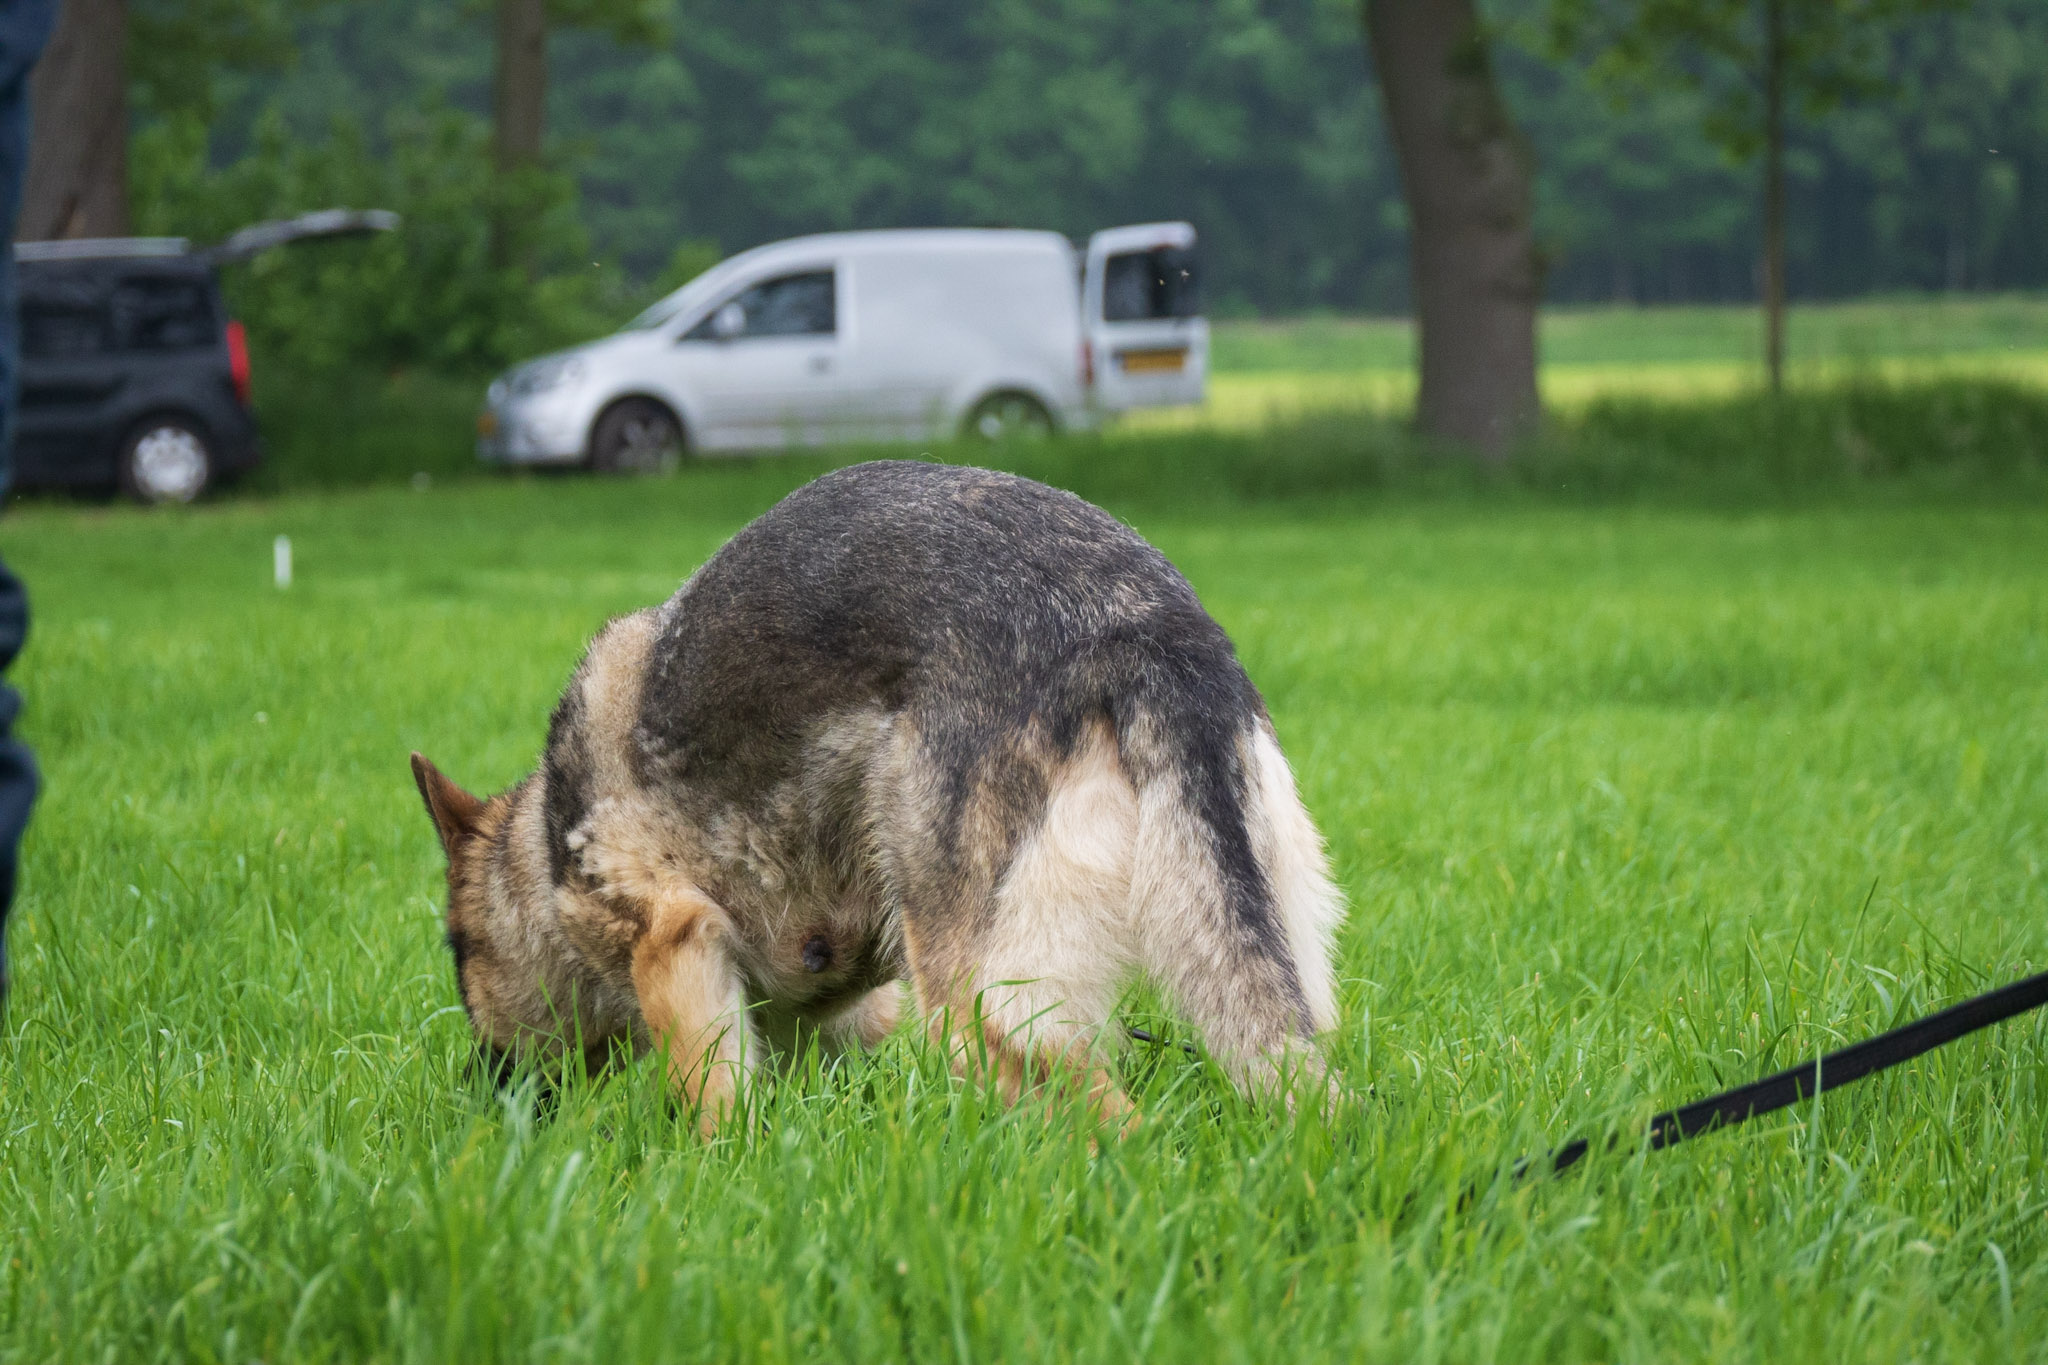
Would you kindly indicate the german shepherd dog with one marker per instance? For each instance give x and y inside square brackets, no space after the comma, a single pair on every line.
[915,721]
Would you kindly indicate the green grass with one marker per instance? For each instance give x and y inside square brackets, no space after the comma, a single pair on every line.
[1969,438]
[1275,373]
[337,430]
[1633,796]
[1869,329]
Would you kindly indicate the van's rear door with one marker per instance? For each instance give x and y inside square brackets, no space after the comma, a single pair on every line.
[257,238]
[1141,303]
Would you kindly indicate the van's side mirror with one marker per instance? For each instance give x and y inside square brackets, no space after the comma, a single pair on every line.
[728,322]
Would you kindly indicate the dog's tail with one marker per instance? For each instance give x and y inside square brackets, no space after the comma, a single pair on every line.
[1230,889]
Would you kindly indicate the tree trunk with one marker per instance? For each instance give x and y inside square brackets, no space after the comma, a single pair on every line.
[77,181]
[519,97]
[1466,174]
[1774,192]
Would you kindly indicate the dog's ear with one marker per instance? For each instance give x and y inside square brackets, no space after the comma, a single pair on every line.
[454,810]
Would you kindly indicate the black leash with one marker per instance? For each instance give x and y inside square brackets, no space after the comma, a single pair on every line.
[1790,1086]
[1144,1036]
[1817,1077]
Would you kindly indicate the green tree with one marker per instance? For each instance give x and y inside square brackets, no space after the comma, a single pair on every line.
[519,89]
[1247,117]
[77,179]
[1756,60]
[1952,161]
[1466,173]
[110,58]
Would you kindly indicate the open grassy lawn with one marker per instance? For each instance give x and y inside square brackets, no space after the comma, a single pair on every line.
[354,428]
[1268,372]
[1863,329]
[1631,802]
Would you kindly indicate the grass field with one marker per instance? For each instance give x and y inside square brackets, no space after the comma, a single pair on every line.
[1631,800]
[1268,373]
[1608,336]
[337,430]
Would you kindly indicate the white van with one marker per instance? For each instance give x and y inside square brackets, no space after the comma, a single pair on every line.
[871,336]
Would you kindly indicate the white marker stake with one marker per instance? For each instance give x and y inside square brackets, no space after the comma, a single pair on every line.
[281,561]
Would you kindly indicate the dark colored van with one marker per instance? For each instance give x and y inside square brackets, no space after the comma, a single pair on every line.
[133,376]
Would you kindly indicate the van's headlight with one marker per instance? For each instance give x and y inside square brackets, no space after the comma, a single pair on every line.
[543,375]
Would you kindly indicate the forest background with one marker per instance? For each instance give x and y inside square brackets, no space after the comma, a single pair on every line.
[682,133]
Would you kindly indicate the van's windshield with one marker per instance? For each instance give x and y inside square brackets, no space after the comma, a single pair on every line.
[656,313]
[695,294]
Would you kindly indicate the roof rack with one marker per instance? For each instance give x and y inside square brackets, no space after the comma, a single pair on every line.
[101,248]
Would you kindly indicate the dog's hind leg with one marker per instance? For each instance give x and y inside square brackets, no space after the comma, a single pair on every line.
[694,1004]
[1290,850]
[865,1021]
[1024,984]
[1235,915]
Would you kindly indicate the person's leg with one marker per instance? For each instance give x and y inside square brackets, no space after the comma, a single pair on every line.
[17,764]
[24,29]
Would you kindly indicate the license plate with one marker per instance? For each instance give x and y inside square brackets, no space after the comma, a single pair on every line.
[1153,362]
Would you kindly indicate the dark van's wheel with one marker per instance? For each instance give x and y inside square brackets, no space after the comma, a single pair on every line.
[1008,417]
[636,436]
[165,459]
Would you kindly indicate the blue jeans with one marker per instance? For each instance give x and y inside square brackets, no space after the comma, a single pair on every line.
[24,29]
[17,764]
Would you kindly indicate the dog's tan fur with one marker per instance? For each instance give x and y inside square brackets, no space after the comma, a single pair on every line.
[662,922]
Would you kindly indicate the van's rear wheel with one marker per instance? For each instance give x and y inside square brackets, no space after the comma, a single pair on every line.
[1008,417]
[636,436]
[165,459]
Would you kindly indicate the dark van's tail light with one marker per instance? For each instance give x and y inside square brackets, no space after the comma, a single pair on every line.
[1087,363]
[238,360]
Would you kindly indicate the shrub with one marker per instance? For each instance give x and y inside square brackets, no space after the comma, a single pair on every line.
[432,295]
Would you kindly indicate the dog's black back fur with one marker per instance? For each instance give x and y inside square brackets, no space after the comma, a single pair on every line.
[975,603]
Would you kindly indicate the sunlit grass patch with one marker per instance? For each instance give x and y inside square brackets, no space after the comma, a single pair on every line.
[1260,400]
[1863,329]
[1267,374]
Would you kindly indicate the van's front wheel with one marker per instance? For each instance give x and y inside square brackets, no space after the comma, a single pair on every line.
[1008,417]
[636,436]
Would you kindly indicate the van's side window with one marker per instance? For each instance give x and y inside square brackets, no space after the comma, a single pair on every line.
[62,329]
[156,314]
[1163,283]
[789,305]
